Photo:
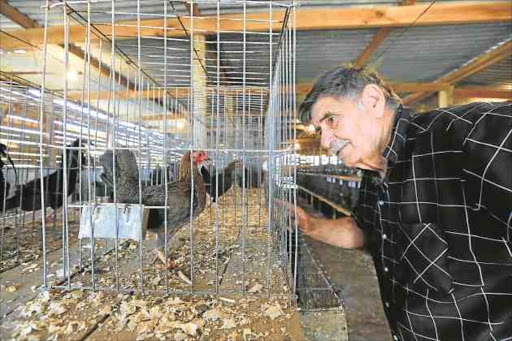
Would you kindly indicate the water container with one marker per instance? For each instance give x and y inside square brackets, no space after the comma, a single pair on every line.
[130,220]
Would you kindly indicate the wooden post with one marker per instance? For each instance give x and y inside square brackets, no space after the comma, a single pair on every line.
[445,97]
[199,93]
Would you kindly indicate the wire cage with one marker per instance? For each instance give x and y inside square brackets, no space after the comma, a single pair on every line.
[154,80]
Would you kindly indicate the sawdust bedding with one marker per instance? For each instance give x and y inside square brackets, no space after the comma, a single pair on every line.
[264,313]
[22,243]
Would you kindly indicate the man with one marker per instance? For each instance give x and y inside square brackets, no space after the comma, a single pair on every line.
[434,209]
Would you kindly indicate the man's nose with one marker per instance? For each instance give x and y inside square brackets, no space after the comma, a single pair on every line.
[327,138]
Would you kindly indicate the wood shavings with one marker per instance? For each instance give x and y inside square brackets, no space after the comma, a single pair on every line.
[189,328]
[229,300]
[228,324]
[213,315]
[133,316]
[184,278]
[273,311]
[179,336]
[57,308]
[256,288]
[246,333]
[10,288]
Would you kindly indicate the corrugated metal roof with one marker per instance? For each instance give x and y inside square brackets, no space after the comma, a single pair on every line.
[498,75]
[319,51]
[424,54]
[8,24]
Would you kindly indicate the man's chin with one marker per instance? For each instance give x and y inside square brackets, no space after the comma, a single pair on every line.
[351,163]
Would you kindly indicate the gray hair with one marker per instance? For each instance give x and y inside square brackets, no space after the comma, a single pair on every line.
[346,81]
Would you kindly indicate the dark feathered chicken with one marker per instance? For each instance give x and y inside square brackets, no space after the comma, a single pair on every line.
[253,177]
[179,194]
[157,176]
[225,182]
[4,185]
[126,175]
[28,196]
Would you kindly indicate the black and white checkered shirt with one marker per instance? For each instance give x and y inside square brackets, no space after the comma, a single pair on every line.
[439,226]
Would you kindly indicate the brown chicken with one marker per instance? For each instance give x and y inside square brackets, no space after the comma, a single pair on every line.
[179,194]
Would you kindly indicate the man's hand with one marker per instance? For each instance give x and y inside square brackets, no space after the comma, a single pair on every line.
[305,221]
[342,232]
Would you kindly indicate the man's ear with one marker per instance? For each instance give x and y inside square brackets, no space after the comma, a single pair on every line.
[374,100]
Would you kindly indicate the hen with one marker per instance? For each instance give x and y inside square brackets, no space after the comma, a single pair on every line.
[179,193]
[253,177]
[4,185]
[225,180]
[28,195]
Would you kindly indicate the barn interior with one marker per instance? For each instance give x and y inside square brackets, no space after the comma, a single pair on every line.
[88,86]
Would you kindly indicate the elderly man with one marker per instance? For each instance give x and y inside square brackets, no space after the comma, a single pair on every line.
[435,207]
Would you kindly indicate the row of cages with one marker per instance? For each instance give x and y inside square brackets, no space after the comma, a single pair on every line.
[172,134]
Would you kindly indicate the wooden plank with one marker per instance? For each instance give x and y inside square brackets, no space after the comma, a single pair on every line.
[305,88]
[483,61]
[445,98]
[483,92]
[195,11]
[16,16]
[311,19]
[182,92]
[379,37]
[24,281]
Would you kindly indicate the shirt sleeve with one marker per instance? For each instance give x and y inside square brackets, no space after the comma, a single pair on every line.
[361,213]
[487,165]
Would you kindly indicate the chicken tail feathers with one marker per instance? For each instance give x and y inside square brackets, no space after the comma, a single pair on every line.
[10,203]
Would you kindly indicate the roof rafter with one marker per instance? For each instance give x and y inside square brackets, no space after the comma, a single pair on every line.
[379,37]
[16,16]
[477,64]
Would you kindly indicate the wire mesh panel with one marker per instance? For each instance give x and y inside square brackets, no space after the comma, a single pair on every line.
[171,133]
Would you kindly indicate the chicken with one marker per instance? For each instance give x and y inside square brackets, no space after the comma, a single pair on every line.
[178,194]
[253,177]
[225,177]
[4,185]
[157,175]
[126,175]
[28,195]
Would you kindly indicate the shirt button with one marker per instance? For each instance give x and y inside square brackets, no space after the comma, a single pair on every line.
[381,202]
[384,236]
[386,269]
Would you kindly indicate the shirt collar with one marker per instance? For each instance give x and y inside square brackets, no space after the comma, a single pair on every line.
[398,136]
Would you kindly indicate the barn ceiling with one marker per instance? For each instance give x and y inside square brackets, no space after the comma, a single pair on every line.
[419,47]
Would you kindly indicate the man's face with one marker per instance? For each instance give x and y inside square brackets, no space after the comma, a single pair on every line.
[347,130]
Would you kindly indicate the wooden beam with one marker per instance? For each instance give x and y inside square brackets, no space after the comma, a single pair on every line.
[379,37]
[483,61]
[305,88]
[445,98]
[159,117]
[196,11]
[482,92]
[312,19]
[182,92]
[16,16]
